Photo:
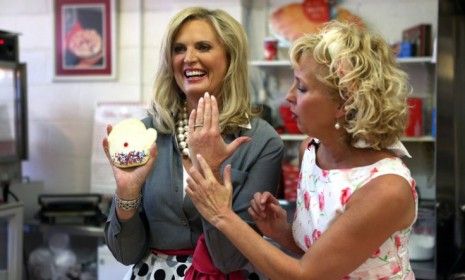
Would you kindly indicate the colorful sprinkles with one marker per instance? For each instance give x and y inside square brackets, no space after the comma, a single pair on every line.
[133,157]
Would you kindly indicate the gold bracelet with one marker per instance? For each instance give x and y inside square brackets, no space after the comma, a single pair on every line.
[127,205]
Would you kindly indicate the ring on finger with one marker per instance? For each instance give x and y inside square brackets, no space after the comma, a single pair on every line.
[198,125]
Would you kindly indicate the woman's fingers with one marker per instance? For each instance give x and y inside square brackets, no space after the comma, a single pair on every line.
[199,116]
[207,113]
[197,182]
[268,197]
[258,204]
[227,176]
[234,145]
[257,209]
[106,145]
[206,170]
[153,155]
[195,176]
[191,122]
[106,148]
[277,210]
[109,129]
[215,113]
[256,216]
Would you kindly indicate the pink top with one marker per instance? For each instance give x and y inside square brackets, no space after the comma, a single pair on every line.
[323,192]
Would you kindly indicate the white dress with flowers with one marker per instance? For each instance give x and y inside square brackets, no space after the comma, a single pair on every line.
[322,192]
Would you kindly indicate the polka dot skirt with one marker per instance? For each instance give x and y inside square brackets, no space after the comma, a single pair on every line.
[157,266]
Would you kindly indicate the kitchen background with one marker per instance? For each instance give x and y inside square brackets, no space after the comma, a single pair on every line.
[61,115]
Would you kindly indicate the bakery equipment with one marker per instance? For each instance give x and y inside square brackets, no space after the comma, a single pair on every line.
[13,113]
[81,209]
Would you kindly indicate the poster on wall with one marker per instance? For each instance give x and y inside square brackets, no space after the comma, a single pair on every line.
[85,34]
[292,20]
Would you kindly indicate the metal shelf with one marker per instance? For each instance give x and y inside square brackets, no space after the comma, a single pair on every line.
[293,137]
[426,138]
[85,230]
[287,63]
[300,137]
[419,59]
[270,63]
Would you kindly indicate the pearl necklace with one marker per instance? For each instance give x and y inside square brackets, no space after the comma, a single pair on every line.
[182,128]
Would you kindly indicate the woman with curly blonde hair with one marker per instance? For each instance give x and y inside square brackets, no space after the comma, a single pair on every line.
[356,200]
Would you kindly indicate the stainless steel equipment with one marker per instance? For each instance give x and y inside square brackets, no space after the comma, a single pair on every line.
[450,155]
[13,112]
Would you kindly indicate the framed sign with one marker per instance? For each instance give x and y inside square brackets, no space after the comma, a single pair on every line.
[84,39]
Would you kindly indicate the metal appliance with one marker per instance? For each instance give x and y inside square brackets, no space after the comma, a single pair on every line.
[13,112]
[450,141]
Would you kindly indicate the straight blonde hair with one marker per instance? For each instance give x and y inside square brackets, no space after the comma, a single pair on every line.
[234,94]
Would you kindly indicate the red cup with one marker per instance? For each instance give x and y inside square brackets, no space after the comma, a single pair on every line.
[270,48]
[415,117]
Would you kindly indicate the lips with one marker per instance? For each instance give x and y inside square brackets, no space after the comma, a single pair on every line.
[293,115]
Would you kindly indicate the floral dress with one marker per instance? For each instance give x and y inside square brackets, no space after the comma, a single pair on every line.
[323,192]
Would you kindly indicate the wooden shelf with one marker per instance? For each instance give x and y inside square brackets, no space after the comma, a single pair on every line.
[300,137]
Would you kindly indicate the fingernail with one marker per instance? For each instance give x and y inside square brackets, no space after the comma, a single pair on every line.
[207,94]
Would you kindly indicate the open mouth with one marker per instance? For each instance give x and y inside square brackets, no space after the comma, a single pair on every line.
[194,74]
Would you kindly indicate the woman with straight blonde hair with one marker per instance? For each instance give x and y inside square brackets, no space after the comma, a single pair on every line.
[201,105]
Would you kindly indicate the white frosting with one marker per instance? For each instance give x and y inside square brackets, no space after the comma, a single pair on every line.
[129,143]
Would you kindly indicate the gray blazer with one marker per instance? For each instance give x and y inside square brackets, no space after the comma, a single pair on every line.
[167,220]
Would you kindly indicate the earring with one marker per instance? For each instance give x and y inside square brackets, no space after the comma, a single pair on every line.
[337,125]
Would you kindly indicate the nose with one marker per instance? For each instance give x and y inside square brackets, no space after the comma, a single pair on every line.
[190,56]
[291,95]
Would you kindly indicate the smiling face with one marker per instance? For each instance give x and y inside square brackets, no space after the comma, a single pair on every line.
[199,59]
[311,102]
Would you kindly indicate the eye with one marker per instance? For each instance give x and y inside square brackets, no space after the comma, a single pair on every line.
[297,84]
[178,48]
[203,46]
[125,144]
[301,88]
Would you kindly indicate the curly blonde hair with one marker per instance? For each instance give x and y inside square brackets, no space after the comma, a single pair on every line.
[234,94]
[362,70]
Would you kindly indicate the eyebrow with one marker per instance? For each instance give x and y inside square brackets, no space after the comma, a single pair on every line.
[196,42]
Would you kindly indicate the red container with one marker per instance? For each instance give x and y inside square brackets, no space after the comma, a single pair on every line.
[290,180]
[270,48]
[415,117]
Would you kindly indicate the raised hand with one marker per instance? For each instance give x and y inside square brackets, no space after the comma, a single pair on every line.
[269,216]
[129,181]
[205,135]
[212,199]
